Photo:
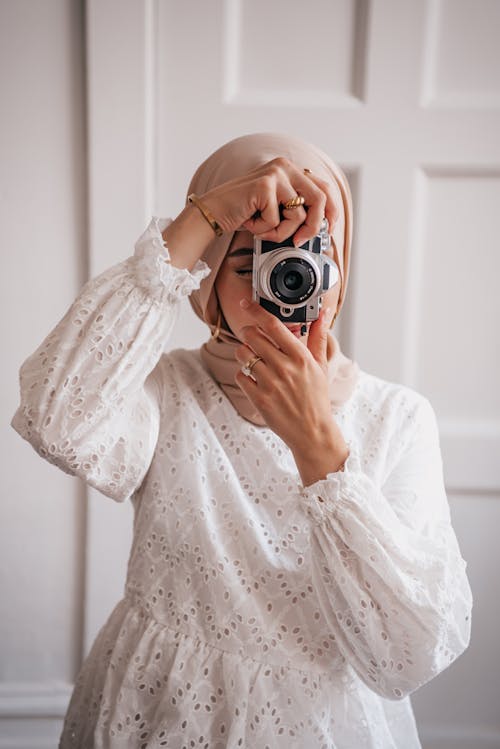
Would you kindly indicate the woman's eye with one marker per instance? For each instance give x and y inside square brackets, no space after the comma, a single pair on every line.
[242,272]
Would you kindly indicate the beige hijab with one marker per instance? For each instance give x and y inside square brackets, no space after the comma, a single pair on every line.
[230,161]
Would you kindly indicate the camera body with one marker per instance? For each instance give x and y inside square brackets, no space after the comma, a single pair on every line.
[289,281]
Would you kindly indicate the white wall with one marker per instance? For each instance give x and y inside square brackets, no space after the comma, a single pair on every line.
[44,525]
[43,245]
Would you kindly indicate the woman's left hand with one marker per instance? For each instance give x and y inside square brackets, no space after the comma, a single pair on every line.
[291,389]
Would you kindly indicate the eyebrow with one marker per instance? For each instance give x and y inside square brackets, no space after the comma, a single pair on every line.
[241,251]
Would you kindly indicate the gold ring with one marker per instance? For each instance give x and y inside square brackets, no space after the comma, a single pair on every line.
[247,368]
[295,202]
[307,171]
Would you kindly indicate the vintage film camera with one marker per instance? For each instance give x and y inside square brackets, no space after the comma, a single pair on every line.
[288,281]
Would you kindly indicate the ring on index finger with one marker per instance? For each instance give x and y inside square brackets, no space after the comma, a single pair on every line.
[295,202]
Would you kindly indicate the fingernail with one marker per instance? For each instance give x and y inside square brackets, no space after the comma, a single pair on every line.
[326,316]
[244,303]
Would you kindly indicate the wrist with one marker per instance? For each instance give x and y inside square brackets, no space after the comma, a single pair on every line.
[316,459]
[206,213]
[187,237]
[213,202]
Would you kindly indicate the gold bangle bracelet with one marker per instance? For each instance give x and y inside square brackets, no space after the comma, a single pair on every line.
[194,199]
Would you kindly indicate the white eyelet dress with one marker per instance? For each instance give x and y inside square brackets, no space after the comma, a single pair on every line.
[257,612]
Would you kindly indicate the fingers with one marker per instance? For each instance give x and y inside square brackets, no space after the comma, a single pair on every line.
[253,202]
[270,371]
[317,342]
[273,222]
[267,214]
[319,201]
[249,386]
[274,329]
[316,204]
[290,220]
[331,211]
[256,343]
[243,355]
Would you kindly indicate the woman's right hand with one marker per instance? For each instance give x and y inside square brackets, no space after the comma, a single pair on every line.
[253,202]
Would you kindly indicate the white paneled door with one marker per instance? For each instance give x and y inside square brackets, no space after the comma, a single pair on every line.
[405,95]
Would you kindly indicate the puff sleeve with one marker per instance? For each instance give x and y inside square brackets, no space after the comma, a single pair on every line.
[89,400]
[387,566]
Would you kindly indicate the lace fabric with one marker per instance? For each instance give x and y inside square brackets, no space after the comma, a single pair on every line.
[90,378]
[257,612]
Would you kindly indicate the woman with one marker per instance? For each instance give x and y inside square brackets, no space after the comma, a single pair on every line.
[294,573]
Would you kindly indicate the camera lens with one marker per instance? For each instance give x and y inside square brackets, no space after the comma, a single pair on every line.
[292,280]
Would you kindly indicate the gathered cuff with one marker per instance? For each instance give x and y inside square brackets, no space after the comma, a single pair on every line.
[326,496]
[154,271]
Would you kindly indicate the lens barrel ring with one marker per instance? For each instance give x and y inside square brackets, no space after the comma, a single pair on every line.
[292,281]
